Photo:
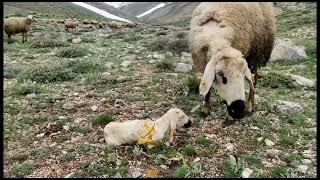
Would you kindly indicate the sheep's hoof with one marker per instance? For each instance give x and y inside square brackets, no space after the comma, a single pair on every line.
[205,111]
[248,107]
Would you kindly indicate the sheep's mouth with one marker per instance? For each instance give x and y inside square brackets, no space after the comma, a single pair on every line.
[187,125]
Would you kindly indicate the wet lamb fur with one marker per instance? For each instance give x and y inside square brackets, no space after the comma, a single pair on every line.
[247,27]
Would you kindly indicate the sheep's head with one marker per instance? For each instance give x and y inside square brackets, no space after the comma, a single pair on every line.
[30,19]
[227,71]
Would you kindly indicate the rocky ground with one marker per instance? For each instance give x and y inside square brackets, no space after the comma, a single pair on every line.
[60,89]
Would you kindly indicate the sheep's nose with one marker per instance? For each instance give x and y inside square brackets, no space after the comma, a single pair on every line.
[187,125]
[236,109]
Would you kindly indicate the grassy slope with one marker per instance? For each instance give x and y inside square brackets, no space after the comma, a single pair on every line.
[79,74]
[59,9]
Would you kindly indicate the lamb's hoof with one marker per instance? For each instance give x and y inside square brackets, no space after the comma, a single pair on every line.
[248,108]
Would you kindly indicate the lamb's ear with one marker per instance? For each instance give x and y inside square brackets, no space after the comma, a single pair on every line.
[173,117]
[207,78]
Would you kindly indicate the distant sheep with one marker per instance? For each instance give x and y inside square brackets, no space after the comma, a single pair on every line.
[70,24]
[228,42]
[60,21]
[15,25]
[86,21]
[114,25]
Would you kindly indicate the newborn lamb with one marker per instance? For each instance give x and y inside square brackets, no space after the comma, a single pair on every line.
[146,131]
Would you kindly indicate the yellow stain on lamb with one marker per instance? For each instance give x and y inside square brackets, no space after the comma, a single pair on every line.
[148,134]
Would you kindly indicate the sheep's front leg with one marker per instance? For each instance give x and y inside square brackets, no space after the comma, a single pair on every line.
[9,38]
[250,102]
[206,105]
[23,37]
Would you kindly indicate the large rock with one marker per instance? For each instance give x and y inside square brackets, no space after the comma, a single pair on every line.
[286,50]
[303,81]
[288,106]
[182,67]
[186,58]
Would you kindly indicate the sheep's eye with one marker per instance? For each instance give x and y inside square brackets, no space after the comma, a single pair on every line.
[224,79]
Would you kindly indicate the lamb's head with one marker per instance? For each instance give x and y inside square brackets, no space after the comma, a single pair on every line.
[178,118]
[227,70]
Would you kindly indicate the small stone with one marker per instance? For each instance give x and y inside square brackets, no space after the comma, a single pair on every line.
[61,118]
[254,128]
[272,152]
[75,94]
[94,108]
[53,144]
[125,64]
[136,174]
[31,96]
[121,79]
[259,139]
[233,160]
[101,140]
[246,173]
[66,127]
[40,135]
[230,147]
[268,142]
[68,106]
[118,162]
[69,175]
[78,120]
[306,161]
[303,168]
[64,152]
[196,159]
[195,108]
[106,73]
[76,40]
[118,103]
[109,65]
[163,166]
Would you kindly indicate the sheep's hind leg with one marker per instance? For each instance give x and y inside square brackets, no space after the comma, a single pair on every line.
[9,38]
[23,35]
[206,105]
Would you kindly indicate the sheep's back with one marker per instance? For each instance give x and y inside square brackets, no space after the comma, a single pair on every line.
[252,24]
[15,25]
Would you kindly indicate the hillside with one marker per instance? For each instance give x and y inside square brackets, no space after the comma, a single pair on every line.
[48,9]
[113,10]
[173,12]
[137,8]
[60,89]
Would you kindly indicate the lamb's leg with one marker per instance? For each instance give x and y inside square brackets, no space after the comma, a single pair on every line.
[206,105]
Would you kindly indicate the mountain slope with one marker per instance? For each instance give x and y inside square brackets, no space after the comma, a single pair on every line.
[137,8]
[49,9]
[175,11]
[112,10]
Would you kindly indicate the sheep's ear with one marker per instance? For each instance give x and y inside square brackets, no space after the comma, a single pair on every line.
[173,117]
[247,72]
[207,78]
